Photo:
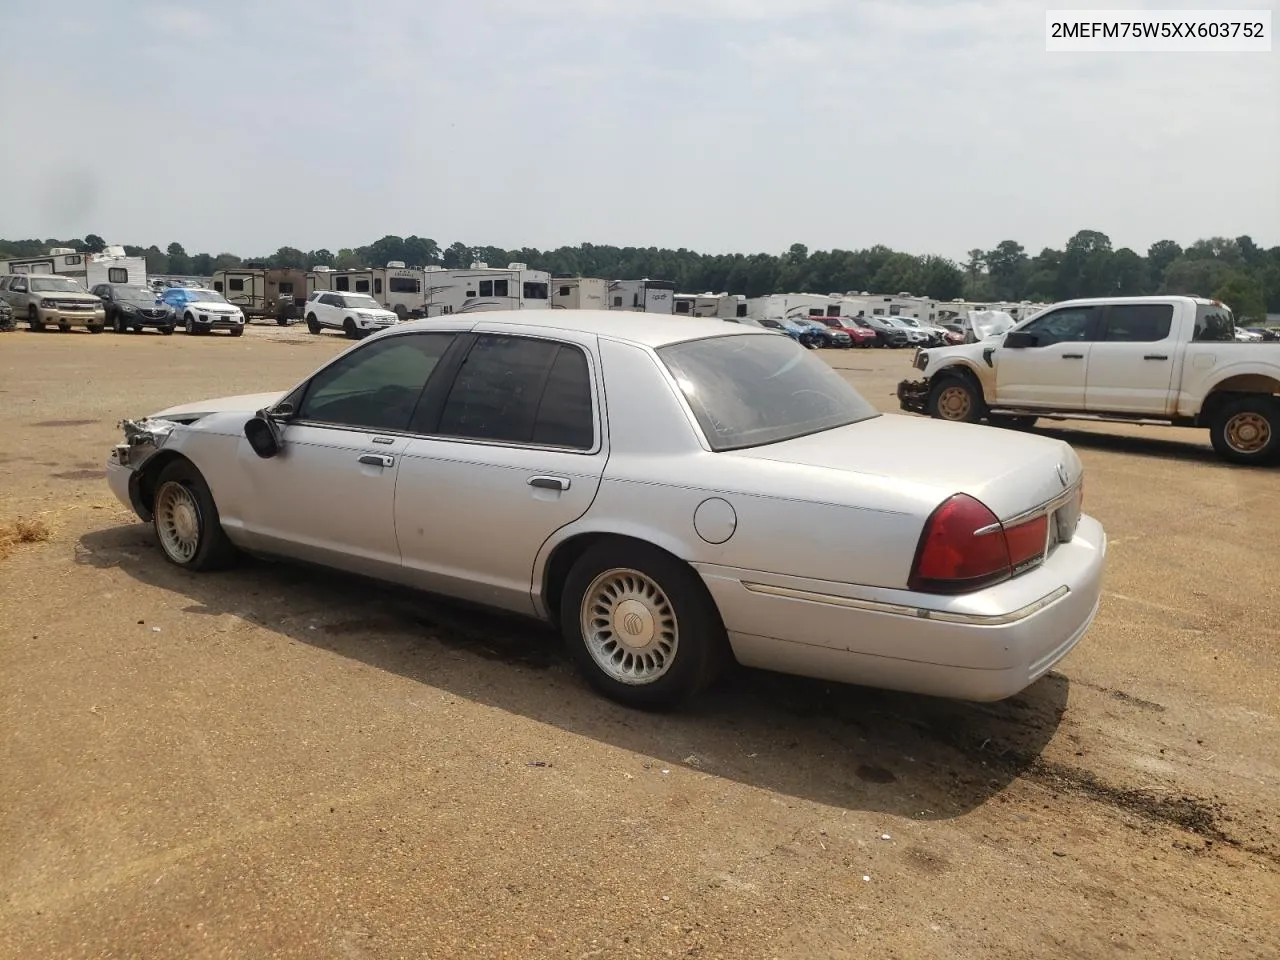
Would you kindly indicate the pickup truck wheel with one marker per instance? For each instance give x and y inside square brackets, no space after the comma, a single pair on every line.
[186,520]
[313,325]
[956,399]
[640,625]
[1247,431]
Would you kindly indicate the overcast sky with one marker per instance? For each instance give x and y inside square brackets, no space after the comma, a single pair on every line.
[717,125]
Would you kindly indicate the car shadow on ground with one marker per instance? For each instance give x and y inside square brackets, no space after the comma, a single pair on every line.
[844,746]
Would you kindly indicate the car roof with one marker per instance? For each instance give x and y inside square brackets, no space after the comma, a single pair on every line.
[645,329]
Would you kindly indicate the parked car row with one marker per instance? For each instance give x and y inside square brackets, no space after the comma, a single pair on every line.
[44,300]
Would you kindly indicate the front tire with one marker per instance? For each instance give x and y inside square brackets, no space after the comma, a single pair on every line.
[641,626]
[33,319]
[186,520]
[237,331]
[350,329]
[313,325]
[955,399]
[1247,431]
[167,330]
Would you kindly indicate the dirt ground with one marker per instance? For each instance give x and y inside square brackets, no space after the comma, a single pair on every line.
[275,762]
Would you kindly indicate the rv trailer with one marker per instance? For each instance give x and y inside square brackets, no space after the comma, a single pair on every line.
[723,305]
[399,288]
[578,293]
[483,288]
[90,269]
[261,291]
[643,296]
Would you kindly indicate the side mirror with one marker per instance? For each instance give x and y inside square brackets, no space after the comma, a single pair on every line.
[1020,340]
[264,435]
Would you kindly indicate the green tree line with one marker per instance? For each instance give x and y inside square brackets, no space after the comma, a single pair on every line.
[1236,271]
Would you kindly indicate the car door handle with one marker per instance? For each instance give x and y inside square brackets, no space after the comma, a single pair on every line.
[1156,356]
[549,483]
[377,460]
[1073,356]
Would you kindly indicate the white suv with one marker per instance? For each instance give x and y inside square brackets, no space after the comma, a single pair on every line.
[356,314]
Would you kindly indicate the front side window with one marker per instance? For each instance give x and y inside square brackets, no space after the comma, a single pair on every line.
[375,386]
[1070,324]
[1138,322]
[755,389]
[521,390]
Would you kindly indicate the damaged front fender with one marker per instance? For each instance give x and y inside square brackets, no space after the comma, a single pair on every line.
[144,439]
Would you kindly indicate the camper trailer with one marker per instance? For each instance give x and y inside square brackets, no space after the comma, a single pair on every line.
[790,306]
[263,291]
[482,288]
[578,293]
[90,269]
[644,296]
[726,306]
[399,288]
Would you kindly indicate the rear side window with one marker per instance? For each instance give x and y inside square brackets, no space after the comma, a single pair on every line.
[1138,322]
[521,390]
[755,389]
[1214,322]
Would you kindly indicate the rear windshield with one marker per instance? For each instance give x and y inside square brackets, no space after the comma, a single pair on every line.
[755,389]
[1214,322]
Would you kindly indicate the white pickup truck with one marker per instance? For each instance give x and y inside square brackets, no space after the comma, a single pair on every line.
[1167,360]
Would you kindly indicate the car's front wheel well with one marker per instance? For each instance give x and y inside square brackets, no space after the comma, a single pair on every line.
[566,554]
[142,486]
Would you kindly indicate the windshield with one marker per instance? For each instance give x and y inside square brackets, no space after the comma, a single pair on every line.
[1214,322]
[753,389]
[55,285]
[361,302]
[136,294]
[202,295]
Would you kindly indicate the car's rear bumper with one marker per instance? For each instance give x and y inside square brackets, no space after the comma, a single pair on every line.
[987,645]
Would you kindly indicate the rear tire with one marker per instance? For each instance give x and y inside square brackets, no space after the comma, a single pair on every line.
[956,399]
[1247,431]
[619,587]
[186,520]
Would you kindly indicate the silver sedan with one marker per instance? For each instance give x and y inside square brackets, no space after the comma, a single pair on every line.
[672,493]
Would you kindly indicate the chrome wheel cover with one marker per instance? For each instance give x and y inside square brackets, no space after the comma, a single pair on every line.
[178,521]
[1247,432]
[954,403]
[629,627]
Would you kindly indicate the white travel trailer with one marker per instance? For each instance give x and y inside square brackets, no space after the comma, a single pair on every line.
[91,269]
[643,296]
[790,306]
[722,305]
[400,289]
[514,287]
[262,291]
[578,293]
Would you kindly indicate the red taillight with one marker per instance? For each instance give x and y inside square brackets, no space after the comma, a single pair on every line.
[1027,541]
[964,547]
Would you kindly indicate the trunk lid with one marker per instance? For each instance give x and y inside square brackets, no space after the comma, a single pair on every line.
[1010,472]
